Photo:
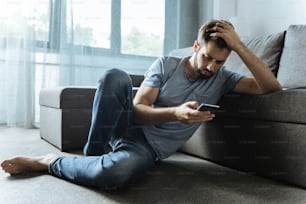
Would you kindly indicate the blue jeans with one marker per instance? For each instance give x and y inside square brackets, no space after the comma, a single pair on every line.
[111,124]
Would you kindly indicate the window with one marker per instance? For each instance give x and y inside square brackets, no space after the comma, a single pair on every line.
[91,22]
[133,27]
[122,28]
[11,25]
[142,27]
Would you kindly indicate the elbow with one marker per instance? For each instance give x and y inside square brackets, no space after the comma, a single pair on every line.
[277,87]
[136,114]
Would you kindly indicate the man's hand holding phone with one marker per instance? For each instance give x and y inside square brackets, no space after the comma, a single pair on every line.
[189,113]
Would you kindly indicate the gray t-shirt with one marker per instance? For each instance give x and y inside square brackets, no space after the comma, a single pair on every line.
[175,88]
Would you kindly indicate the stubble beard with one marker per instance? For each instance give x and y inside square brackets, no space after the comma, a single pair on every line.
[199,71]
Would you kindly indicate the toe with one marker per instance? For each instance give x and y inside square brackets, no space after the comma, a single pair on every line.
[8,167]
[5,164]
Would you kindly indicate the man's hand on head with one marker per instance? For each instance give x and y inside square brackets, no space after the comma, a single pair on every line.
[227,33]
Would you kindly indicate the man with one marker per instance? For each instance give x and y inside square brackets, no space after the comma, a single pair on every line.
[162,116]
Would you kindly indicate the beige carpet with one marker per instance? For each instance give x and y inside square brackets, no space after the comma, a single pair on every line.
[179,179]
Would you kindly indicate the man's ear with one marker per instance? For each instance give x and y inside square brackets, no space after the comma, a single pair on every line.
[196,46]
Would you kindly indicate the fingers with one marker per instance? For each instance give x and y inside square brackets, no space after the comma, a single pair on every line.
[188,114]
[219,28]
[192,104]
[227,33]
[207,115]
[224,25]
[199,116]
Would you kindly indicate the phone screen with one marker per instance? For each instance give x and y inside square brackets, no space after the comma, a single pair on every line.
[208,107]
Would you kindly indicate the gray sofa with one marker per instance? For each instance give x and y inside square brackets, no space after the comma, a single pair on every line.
[261,135]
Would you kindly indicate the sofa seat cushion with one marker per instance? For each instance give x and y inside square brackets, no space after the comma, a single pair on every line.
[292,69]
[67,97]
[283,106]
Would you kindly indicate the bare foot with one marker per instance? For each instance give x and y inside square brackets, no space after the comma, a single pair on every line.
[18,165]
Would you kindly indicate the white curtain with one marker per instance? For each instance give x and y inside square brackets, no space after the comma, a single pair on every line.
[17,57]
[32,58]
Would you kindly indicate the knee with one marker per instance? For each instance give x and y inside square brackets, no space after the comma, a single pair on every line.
[115,82]
[112,178]
[115,77]
[121,174]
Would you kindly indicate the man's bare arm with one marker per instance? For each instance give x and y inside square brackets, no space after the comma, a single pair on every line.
[144,113]
[264,81]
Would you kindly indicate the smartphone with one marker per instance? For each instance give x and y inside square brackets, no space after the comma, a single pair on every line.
[208,107]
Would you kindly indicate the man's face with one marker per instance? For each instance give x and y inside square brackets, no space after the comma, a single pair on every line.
[209,59]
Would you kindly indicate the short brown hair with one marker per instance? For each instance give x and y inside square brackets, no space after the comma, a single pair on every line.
[204,33]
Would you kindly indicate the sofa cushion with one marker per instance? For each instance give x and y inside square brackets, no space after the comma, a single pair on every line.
[282,106]
[292,70]
[268,48]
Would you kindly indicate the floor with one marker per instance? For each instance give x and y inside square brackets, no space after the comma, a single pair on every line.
[179,179]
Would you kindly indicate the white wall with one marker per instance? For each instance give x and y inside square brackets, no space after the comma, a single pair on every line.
[260,17]
[206,8]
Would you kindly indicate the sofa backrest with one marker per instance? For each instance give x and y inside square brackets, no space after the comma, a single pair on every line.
[292,70]
[268,48]
[136,80]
